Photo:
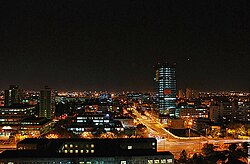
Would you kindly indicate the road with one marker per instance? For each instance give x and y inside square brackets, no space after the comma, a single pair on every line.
[166,141]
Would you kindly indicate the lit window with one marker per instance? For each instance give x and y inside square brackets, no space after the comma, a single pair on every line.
[66,145]
[82,151]
[70,145]
[130,147]
[87,151]
[92,145]
[65,151]
[123,162]
[157,161]
[163,161]
[169,160]
[76,151]
[92,151]
[150,161]
[71,151]
[153,143]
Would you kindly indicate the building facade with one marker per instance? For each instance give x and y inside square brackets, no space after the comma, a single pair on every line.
[165,83]
[88,151]
[11,96]
[47,103]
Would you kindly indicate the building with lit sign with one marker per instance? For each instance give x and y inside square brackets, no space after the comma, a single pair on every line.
[165,83]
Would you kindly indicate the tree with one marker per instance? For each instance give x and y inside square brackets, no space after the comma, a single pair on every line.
[208,149]
[197,159]
[183,157]
[86,135]
[232,147]
[141,130]
[214,133]
[129,132]
[108,135]
[245,146]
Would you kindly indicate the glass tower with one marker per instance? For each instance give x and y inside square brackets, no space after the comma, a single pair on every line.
[165,83]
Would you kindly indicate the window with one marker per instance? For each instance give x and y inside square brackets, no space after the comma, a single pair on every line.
[65,151]
[71,151]
[82,151]
[92,145]
[150,161]
[169,160]
[76,151]
[71,145]
[123,162]
[65,145]
[163,161]
[156,161]
[87,151]
[92,151]
[130,147]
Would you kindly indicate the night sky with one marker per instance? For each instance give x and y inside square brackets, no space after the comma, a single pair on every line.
[113,44]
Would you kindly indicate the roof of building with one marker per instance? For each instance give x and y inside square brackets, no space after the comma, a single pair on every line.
[47,154]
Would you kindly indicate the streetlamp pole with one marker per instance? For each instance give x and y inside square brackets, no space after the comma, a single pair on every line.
[189,132]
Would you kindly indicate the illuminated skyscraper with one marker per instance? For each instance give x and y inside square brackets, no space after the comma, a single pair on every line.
[165,82]
[11,96]
[47,103]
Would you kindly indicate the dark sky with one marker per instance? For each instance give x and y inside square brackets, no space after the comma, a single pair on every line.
[113,44]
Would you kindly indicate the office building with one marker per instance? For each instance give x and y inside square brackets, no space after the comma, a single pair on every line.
[11,117]
[91,122]
[11,95]
[35,126]
[87,151]
[165,83]
[47,103]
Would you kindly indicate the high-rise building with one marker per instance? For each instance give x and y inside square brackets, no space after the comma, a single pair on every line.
[165,82]
[47,103]
[11,96]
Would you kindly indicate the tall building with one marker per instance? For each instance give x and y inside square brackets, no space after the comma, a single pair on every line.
[11,96]
[165,82]
[47,103]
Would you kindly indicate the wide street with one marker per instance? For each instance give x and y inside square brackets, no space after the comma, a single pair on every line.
[170,142]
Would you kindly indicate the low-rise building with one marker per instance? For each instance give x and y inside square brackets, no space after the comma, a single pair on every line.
[91,122]
[35,126]
[88,151]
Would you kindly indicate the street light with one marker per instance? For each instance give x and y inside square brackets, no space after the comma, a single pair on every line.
[190,123]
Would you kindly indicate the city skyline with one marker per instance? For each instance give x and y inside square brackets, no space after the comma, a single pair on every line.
[89,45]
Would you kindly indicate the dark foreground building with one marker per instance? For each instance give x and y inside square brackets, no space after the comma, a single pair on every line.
[87,151]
